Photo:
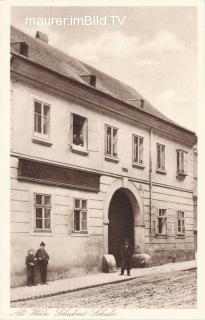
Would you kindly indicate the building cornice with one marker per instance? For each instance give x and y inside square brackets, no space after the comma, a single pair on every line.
[33,73]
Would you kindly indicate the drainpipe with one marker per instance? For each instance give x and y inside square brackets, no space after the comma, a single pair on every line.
[150,176]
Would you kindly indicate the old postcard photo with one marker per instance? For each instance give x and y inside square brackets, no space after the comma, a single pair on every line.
[101,135]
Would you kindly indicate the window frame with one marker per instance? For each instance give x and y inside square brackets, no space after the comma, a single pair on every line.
[140,151]
[182,171]
[160,217]
[162,167]
[40,137]
[43,206]
[75,147]
[111,156]
[182,223]
[81,210]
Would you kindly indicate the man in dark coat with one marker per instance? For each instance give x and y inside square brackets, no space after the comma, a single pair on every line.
[126,255]
[30,266]
[42,259]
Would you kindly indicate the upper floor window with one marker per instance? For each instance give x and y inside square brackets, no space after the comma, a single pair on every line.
[160,157]
[162,222]
[80,215]
[180,223]
[137,145]
[195,169]
[79,132]
[41,118]
[111,141]
[182,162]
[42,212]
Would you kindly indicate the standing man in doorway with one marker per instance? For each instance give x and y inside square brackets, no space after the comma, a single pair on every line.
[42,259]
[126,255]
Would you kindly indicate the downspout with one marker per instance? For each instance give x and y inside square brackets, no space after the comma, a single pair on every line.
[150,177]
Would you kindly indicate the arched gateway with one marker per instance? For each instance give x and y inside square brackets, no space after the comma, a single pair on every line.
[123,218]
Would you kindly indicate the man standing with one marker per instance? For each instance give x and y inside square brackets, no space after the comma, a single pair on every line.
[126,255]
[42,259]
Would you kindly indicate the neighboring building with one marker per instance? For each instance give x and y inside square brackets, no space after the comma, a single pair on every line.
[92,162]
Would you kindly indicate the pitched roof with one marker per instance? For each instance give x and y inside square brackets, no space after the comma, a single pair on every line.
[57,60]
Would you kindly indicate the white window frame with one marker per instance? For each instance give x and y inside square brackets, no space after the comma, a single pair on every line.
[181,223]
[81,211]
[162,215]
[43,206]
[75,147]
[41,135]
[160,166]
[182,162]
[137,149]
[114,144]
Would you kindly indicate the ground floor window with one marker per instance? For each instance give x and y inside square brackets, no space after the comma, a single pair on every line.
[80,215]
[42,212]
[180,223]
[162,222]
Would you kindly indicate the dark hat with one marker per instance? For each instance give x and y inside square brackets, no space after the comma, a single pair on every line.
[42,244]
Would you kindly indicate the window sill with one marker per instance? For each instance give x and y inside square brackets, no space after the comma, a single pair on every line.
[182,174]
[138,165]
[79,149]
[42,141]
[112,159]
[161,236]
[38,232]
[180,236]
[80,234]
[161,171]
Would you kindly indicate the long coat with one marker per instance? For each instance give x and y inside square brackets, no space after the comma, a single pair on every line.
[126,254]
[42,256]
[30,261]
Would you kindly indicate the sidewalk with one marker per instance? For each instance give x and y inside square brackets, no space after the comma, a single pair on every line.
[92,280]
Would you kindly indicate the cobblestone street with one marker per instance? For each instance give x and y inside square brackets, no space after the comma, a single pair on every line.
[171,290]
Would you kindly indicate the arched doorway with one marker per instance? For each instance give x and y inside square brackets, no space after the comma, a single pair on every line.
[121,223]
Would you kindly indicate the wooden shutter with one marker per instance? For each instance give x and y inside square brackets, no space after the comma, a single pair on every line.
[154,221]
[70,128]
[93,135]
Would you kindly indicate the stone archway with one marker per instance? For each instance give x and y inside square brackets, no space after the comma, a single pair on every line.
[121,223]
[131,192]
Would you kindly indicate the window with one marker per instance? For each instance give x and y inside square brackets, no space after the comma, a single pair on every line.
[111,141]
[160,157]
[79,131]
[180,223]
[42,212]
[195,169]
[137,150]
[182,162]
[80,215]
[41,119]
[162,222]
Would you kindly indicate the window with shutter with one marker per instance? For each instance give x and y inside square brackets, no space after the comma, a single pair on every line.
[137,147]
[182,162]
[160,157]
[162,222]
[42,208]
[111,141]
[80,215]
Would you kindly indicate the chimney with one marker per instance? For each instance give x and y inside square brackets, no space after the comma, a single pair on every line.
[20,47]
[42,36]
[142,103]
[89,79]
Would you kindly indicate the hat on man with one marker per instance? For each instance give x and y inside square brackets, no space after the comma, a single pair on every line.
[42,244]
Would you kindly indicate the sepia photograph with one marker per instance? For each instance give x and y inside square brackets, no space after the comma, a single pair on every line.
[103,159]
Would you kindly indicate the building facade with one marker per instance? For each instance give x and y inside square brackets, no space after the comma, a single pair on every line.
[92,163]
